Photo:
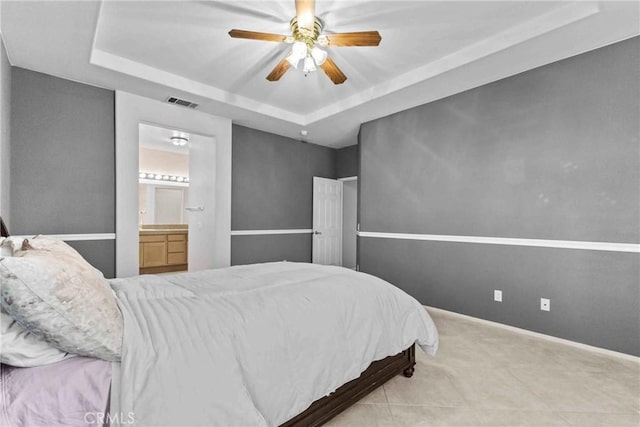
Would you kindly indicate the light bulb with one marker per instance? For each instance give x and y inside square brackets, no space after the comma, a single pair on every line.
[293,60]
[309,65]
[298,51]
[143,175]
[318,55]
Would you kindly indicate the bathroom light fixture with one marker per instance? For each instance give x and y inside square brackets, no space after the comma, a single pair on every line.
[162,177]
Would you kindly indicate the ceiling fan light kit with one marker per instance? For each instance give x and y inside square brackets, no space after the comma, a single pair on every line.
[305,38]
[304,46]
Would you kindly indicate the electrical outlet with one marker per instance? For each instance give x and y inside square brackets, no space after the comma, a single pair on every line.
[497,295]
[545,304]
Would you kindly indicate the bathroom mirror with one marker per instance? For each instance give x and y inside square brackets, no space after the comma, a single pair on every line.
[162,204]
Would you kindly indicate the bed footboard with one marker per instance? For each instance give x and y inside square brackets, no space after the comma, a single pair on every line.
[374,376]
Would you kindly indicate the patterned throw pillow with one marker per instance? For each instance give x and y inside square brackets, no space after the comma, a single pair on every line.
[20,347]
[49,289]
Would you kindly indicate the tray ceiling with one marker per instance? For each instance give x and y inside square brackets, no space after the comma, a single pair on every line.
[429,50]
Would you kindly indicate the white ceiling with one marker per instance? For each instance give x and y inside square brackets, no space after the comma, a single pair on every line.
[159,138]
[429,50]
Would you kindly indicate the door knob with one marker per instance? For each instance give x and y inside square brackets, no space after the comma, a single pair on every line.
[316,232]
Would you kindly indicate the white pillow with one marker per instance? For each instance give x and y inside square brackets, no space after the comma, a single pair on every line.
[21,348]
[49,289]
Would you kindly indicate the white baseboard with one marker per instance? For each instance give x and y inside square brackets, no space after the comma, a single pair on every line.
[575,344]
[509,241]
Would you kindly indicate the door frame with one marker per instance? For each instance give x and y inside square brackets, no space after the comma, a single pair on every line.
[132,110]
[347,179]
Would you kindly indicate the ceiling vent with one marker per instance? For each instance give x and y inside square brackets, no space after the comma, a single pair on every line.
[182,102]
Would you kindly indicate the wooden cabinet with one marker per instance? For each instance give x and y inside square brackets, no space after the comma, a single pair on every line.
[154,250]
[163,251]
[176,249]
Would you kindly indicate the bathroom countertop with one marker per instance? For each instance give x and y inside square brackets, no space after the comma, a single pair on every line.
[146,231]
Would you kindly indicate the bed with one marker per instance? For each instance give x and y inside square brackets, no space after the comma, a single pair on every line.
[289,344]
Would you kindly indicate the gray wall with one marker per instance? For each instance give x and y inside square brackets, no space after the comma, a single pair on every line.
[63,160]
[272,189]
[552,153]
[347,161]
[267,248]
[5,132]
[99,253]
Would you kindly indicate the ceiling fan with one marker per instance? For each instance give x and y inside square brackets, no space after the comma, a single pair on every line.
[307,40]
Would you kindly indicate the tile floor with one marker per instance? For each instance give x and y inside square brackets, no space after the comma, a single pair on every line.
[488,376]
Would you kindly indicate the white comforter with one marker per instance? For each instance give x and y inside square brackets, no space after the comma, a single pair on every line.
[253,345]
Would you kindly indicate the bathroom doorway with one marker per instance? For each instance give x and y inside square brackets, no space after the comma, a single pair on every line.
[212,243]
[172,205]
[163,191]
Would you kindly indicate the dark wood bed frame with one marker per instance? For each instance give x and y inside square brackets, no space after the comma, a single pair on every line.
[3,229]
[324,409]
[374,376]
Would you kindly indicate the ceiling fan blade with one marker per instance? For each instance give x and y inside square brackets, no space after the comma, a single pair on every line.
[254,35]
[279,70]
[306,13]
[331,69]
[361,38]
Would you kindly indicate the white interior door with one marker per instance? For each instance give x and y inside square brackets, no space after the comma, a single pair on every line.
[349,222]
[327,221]
[200,211]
